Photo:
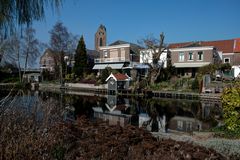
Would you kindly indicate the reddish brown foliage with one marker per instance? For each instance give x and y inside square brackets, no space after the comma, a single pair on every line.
[91,140]
[97,140]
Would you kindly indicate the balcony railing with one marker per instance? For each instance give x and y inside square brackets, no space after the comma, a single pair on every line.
[111,60]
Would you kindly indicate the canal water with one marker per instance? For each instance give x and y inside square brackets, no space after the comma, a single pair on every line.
[156,114]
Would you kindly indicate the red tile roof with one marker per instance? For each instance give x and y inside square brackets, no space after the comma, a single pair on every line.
[226,46]
[237,45]
[179,45]
[120,77]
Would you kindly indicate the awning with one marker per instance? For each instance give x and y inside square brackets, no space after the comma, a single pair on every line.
[142,66]
[116,66]
[100,66]
[113,66]
[190,65]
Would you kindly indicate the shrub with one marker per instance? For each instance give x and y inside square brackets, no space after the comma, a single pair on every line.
[105,73]
[231,107]
[195,84]
[69,77]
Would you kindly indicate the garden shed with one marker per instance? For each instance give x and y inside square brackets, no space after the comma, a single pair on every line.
[117,82]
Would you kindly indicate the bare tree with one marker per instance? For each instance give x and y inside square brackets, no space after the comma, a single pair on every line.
[12,52]
[30,47]
[21,51]
[62,42]
[156,47]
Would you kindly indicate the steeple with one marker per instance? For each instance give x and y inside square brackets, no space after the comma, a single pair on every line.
[100,37]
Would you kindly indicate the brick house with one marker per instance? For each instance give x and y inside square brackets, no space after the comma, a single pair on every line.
[187,60]
[229,50]
[47,60]
[117,55]
[186,56]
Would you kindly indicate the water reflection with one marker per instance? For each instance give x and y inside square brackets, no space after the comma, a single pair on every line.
[157,115]
[114,110]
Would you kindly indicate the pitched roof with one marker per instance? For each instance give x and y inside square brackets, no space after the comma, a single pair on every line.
[102,27]
[179,45]
[92,53]
[133,47]
[47,52]
[226,46]
[119,77]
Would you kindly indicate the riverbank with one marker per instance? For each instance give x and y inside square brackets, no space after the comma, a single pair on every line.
[116,142]
[227,147]
[103,89]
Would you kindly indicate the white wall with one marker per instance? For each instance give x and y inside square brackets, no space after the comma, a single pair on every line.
[236,71]
[146,57]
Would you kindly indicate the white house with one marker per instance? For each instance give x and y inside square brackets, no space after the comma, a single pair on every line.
[147,54]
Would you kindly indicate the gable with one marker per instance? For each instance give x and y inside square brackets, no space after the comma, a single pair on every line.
[118,77]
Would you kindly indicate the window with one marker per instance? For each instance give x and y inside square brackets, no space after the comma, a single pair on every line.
[179,125]
[189,126]
[101,42]
[226,60]
[105,54]
[190,56]
[181,57]
[200,56]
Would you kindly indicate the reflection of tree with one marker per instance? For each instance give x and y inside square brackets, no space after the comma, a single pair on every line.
[159,115]
[83,105]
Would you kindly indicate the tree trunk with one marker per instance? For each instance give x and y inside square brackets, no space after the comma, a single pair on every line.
[155,72]
[19,66]
[25,65]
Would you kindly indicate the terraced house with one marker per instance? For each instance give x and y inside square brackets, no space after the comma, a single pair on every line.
[187,57]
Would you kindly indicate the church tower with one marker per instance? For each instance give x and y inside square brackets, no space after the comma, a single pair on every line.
[100,37]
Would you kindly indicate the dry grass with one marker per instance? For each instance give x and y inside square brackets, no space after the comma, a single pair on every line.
[29,128]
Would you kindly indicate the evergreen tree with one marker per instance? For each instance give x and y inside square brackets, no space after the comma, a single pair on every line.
[81,64]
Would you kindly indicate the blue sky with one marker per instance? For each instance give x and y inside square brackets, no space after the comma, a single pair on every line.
[132,20]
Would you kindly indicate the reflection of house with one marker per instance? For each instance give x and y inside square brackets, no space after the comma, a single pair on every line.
[186,124]
[114,118]
[115,113]
[118,55]
[157,125]
[117,81]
